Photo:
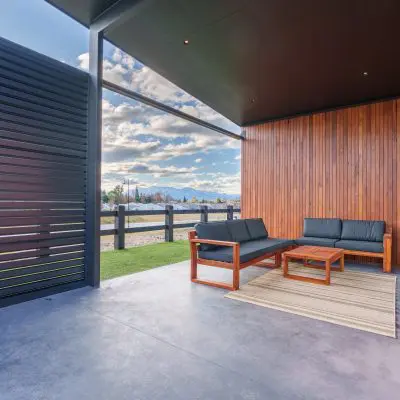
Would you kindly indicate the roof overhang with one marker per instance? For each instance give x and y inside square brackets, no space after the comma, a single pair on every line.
[261,59]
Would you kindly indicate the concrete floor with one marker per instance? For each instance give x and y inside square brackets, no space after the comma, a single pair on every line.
[154,335]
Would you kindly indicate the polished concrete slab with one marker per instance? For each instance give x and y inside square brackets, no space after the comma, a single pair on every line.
[154,335]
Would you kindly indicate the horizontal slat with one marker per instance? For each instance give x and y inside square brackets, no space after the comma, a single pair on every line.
[7,268]
[78,181]
[42,236]
[18,77]
[41,95]
[21,221]
[29,154]
[107,232]
[28,162]
[40,244]
[41,284]
[50,187]
[10,275]
[187,211]
[41,252]
[186,225]
[41,273]
[41,196]
[35,205]
[12,169]
[14,124]
[108,213]
[145,212]
[43,76]
[18,230]
[40,213]
[74,74]
[36,119]
[145,228]
[43,72]
[22,141]
[29,102]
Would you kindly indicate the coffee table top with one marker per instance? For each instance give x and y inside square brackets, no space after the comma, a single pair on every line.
[315,253]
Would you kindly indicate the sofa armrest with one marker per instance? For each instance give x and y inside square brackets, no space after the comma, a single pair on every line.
[215,242]
[387,237]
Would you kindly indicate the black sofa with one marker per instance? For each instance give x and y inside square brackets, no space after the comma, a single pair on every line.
[234,245]
[356,237]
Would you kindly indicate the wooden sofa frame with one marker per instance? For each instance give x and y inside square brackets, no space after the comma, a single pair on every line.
[386,256]
[235,266]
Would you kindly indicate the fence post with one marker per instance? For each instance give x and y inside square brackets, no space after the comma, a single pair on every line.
[119,225]
[229,213]
[169,223]
[204,214]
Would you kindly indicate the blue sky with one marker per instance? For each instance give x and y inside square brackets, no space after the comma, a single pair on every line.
[139,142]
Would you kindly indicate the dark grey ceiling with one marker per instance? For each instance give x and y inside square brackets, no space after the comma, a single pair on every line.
[253,60]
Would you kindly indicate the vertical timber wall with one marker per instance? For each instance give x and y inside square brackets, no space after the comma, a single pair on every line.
[343,163]
[43,159]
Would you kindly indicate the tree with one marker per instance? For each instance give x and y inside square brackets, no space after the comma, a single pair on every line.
[104,197]
[184,199]
[137,195]
[219,200]
[117,195]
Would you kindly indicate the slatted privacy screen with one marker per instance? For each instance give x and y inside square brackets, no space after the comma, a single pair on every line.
[43,161]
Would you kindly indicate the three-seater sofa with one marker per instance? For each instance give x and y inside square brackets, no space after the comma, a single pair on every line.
[356,237]
[233,245]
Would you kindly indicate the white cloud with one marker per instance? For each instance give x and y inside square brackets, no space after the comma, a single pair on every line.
[198,160]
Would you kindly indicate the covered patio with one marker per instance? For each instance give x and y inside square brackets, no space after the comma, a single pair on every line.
[154,335]
[315,89]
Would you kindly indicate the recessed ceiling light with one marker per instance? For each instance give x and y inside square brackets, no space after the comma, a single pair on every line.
[253,100]
[186,41]
[365,73]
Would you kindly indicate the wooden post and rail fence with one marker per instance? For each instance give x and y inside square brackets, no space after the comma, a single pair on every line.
[121,229]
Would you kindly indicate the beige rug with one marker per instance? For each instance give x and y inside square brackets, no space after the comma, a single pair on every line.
[359,300]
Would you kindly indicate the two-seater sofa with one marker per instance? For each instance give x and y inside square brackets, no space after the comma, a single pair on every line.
[233,245]
[356,237]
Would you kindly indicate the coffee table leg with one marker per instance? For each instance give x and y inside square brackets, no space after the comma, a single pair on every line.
[342,263]
[285,265]
[328,272]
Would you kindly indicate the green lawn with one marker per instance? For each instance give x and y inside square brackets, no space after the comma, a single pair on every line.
[135,259]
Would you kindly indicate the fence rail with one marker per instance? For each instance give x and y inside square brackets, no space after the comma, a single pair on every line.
[120,229]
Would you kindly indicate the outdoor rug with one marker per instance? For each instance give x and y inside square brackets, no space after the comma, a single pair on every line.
[360,300]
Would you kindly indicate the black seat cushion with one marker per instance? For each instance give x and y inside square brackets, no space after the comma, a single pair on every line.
[212,231]
[238,230]
[368,231]
[248,250]
[323,227]
[316,241]
[359,245]
[256,228]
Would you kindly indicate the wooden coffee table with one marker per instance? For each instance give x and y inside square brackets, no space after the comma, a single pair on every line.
[313,253]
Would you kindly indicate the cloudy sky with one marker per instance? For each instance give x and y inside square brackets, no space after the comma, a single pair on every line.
[139,142]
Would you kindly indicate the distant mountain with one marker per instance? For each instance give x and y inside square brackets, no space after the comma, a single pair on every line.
[189,193]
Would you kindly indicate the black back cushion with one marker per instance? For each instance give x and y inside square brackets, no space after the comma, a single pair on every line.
[323,227]
[368,231]
[256,228]
[213,231]
[238,230]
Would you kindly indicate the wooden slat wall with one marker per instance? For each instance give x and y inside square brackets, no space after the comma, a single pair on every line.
[43,166]
[343,163]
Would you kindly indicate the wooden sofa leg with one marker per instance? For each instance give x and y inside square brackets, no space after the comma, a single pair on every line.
[236,267]
[387,262]
[278,260]
[387,252]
